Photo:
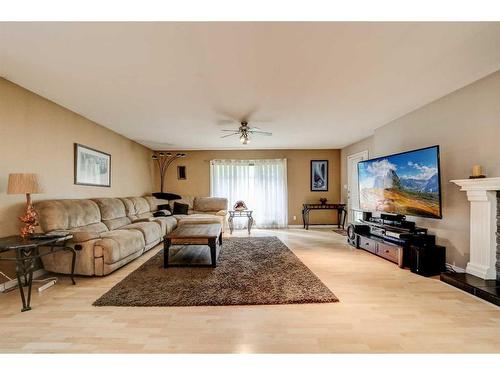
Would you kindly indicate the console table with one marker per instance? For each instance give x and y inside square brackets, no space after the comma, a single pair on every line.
[26,252]
[240,213]
[339,207]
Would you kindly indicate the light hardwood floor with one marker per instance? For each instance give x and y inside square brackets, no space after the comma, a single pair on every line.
[382,309]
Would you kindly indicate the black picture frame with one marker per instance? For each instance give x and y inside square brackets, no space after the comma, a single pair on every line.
[319,175]
[79,149]
[181,172]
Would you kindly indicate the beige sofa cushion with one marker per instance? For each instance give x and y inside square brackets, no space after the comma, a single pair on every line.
[88,232]
[199,219]
[137,208]
[168,223]
[64,214]
[154,202]
[150,230]
[113,212]
[209,204]
[118,244]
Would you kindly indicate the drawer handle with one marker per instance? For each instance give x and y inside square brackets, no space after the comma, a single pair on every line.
[387,251]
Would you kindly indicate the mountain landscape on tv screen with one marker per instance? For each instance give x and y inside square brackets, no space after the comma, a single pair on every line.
[405,183]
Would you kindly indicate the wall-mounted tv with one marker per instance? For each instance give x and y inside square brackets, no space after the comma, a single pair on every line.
[407,183]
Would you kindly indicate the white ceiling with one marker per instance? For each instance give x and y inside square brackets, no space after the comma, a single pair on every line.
[317,85]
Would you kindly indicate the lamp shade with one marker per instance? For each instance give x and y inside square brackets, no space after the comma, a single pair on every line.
[23,183]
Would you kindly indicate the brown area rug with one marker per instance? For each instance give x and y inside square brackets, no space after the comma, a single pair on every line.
[250,271]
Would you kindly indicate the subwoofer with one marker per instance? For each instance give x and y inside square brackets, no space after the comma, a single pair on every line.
[352,237]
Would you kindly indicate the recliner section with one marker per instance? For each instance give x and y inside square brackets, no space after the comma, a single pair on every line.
[114,231]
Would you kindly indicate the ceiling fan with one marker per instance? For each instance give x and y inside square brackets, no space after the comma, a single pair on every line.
[244,132]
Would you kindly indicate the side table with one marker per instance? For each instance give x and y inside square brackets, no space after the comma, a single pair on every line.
[26,252]
[240,213]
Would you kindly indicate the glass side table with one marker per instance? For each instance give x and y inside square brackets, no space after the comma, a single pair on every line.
[240,213]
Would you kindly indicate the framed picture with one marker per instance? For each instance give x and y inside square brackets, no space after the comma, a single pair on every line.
[319,175]
[92,167]
[181,172]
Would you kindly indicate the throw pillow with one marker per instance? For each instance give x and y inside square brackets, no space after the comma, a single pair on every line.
[180,208]
[164,207]
[161,213]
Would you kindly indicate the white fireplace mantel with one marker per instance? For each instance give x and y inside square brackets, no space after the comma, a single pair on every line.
[481,193]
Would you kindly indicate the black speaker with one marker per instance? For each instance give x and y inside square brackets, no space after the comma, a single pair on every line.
[428,260]
[352,237]
[367,216]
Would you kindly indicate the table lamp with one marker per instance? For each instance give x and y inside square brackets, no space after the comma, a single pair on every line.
[25,183]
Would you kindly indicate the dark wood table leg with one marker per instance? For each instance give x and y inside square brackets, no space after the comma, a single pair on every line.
[303,218]
[166,246]
[220,239]
[213,251]
[73,264]
[339,217]
[344,212]
[307,219]
[24,267]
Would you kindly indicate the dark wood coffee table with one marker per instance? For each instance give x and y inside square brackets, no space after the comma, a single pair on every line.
[194,234]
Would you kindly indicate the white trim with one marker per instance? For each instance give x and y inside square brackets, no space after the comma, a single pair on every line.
[13,283]
[483,225]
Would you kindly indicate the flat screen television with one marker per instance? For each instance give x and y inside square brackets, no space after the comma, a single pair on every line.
[407,183]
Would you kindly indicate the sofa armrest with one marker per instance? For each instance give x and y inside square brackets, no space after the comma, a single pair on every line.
[84,236]
[221,213]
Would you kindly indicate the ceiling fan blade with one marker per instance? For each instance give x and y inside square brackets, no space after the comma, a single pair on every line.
[260,132]
[229,135]
[254,128]
[227,130]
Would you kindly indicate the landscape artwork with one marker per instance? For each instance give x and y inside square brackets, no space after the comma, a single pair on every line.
[406,183]
[92,167]
[319,175]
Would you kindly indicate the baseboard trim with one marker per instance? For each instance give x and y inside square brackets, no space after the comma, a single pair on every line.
[300,226]
[13,283]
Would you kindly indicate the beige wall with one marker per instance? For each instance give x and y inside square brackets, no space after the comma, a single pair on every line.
[298,164]
[466,125]
[37,135]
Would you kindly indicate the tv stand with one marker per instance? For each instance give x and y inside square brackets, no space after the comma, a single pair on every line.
[392,238]
[387,250]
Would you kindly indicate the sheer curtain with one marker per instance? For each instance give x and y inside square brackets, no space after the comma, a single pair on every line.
[261,184]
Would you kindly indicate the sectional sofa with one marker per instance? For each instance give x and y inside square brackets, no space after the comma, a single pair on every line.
[111,232]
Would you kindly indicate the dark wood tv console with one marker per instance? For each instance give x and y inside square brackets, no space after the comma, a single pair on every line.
[394,240]
[385,249]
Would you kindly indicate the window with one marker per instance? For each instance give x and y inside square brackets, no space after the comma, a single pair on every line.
[261,184]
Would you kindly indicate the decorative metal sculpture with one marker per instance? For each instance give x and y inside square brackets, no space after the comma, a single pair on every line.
[164,159]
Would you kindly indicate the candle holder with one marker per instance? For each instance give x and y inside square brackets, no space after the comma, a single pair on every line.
[477,172]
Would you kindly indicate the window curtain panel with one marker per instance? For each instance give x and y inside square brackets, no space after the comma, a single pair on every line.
[261,184]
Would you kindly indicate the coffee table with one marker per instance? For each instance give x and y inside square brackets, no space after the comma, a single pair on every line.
[194,234]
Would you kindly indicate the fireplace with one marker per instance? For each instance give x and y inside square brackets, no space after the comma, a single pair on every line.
[484,197]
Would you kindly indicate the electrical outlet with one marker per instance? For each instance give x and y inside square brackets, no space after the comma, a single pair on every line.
[294,218]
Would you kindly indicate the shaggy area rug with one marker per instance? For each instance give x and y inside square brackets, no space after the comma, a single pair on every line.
[250,271]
